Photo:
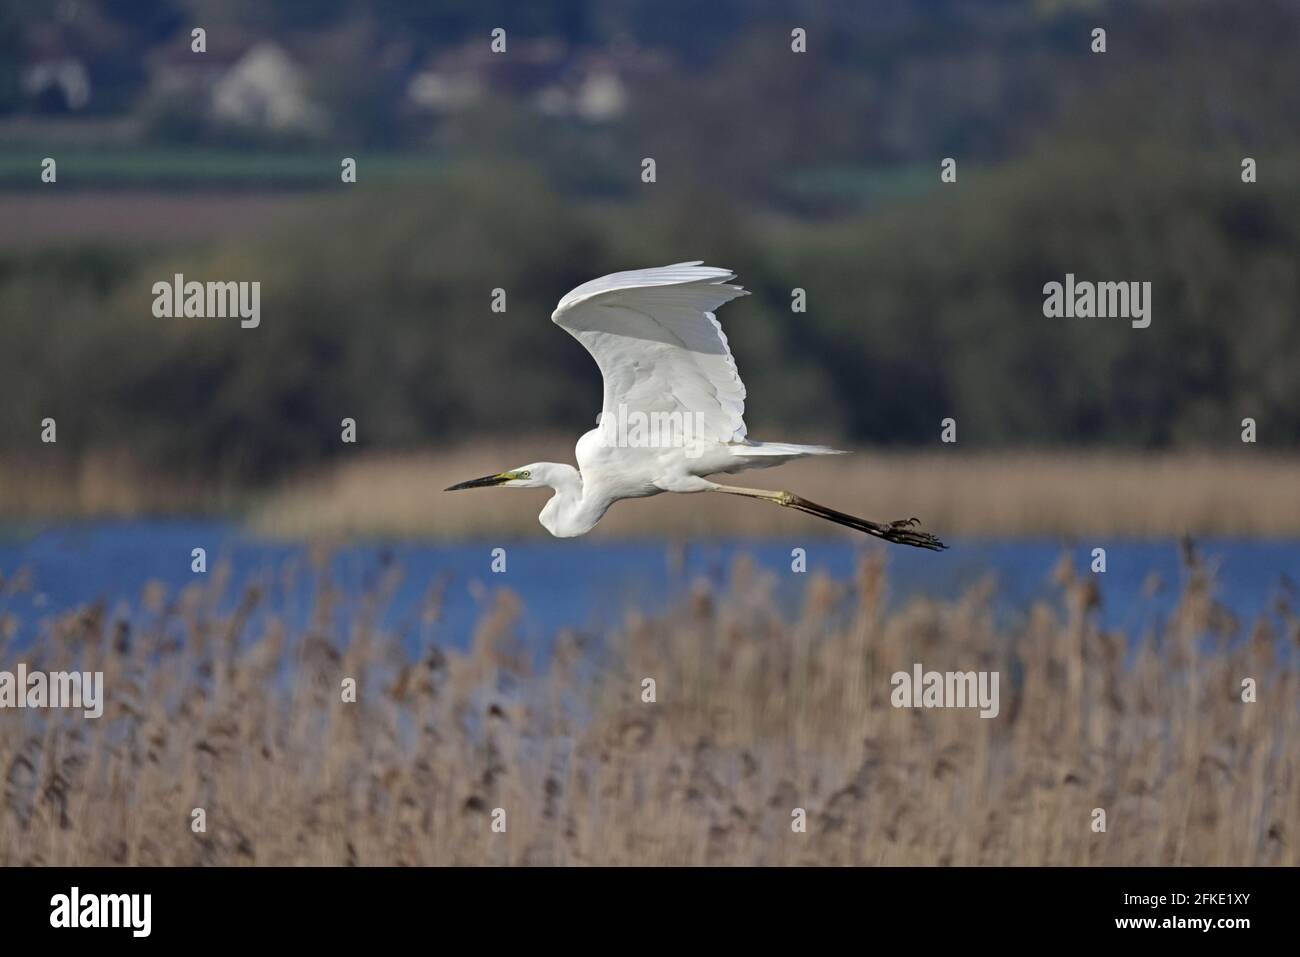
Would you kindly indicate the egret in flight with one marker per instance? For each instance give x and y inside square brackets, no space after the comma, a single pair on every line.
[674,405]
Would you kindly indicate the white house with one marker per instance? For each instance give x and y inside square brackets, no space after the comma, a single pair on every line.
[265,88]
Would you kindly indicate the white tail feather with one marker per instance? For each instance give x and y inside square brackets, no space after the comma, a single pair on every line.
[765,454]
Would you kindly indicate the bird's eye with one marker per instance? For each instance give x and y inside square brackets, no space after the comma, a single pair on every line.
[525,474]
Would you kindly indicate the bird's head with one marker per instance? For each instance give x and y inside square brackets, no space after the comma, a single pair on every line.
[526,476]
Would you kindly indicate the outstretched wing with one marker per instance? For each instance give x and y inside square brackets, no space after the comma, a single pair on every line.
[658,344]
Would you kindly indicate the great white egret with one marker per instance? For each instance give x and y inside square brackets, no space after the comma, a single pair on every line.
[673,407]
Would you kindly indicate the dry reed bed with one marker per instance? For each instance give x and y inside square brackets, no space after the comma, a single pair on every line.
[758,713]
[954,493]
[98,486]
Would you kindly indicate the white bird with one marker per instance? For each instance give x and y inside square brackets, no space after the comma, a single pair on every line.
[673,411]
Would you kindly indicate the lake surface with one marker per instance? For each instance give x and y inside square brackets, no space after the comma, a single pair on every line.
[588,584]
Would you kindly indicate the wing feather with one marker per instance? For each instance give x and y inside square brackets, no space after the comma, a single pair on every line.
[659,345]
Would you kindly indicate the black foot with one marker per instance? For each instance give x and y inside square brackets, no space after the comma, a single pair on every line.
[904,532]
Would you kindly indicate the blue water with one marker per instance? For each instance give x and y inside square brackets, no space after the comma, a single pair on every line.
[587,584]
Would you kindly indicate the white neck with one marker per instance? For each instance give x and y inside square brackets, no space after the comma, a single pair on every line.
[569,512]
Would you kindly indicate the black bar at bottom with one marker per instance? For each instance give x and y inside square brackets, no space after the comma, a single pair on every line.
[337,906]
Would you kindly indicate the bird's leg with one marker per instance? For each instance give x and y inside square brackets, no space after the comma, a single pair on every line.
[901,532]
